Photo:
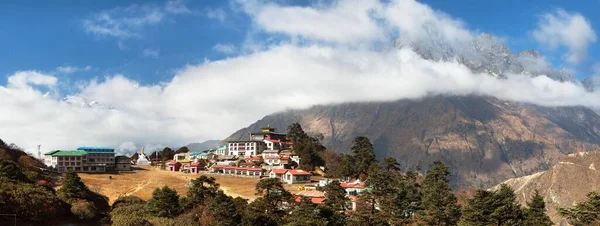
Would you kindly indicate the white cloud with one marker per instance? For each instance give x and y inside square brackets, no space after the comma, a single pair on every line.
[225,48]
[177,7]
[570,30]
[154,53]
[72,69]
[346,21]
[215,98]
[123,22]
[216,14]
[128,22]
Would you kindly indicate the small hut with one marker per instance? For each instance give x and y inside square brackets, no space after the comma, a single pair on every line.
[174,166]
[196,167]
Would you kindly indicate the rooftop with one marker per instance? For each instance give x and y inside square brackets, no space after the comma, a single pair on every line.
[311,193]
[299,172]
[67,153]
[94,148]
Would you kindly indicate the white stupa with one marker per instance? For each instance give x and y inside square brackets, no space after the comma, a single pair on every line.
[142,159]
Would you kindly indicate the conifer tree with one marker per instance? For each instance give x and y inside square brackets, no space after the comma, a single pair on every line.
[164,202]
[584,213]
[335,196]
[507,211]
[438,202]
[73,187]
[223,210]
[492,208]
[202,188]
[535,214]
[306,214]
[308,148]
[363,154]
[391,164]
[366,213]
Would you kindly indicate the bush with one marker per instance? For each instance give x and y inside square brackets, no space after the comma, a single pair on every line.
[129,214]
[83,209]
[126,201]
[29,201]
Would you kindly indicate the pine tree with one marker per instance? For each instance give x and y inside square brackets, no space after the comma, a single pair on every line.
[391,164]
[438,202]
[492,208]
[348,166]
[73,187]
[535,214]
[308,148]
[336,196]
[397,195]
[164,202]
[166,154]
[363,154]
[478,210]
[366,211]
[507,211]
[223,210]
[306,214]
[584,213]
[202,188]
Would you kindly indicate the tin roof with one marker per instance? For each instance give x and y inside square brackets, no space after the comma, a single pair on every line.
[299,172]
[67,153]
[94,148]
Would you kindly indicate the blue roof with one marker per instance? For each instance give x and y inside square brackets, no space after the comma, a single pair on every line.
[199,154]
[100,152]
[222,148]
[94,148]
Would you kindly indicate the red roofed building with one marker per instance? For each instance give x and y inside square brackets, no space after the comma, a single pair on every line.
[174,166]
[297,176]
[353,188]
[196,167]
[278,173]
[254,159]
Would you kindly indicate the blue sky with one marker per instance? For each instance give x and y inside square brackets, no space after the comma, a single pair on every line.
[132,74]
[39,35]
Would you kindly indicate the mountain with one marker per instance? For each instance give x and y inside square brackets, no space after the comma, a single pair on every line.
[485,54]
[591,83]
[204,145]
[564,184]
[80,101]
[483,140]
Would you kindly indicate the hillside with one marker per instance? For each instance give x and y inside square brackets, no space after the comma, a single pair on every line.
[13,153]
[484,140]
[563,185]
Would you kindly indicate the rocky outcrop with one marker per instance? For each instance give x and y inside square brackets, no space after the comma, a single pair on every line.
[563,185]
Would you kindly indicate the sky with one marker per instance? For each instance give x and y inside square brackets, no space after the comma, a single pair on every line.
[168,73]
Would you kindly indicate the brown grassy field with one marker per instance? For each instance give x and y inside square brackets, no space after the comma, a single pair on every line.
[142,183]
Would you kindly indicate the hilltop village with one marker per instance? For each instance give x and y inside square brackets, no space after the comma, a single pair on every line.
[265,154]
[286,179]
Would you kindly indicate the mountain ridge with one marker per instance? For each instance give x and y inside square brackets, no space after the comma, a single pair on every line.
[483,140]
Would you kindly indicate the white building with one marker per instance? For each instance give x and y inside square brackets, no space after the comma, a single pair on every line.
[291,176]
[84,159]
[245,148]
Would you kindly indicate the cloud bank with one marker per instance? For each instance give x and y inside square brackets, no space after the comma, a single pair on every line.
[313,64]
[564,29]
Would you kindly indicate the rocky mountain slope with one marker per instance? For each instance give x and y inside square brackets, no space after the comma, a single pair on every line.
[484,140]
[563,185]
[203,146]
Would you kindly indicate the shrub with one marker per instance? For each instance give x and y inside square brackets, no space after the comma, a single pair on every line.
[83,209]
